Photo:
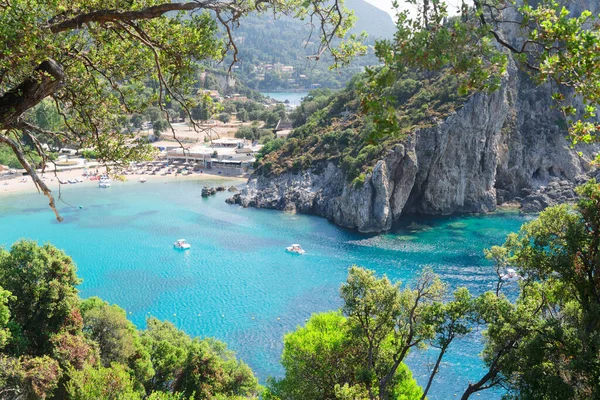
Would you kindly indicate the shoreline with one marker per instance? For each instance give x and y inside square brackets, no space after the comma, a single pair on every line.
[23,184]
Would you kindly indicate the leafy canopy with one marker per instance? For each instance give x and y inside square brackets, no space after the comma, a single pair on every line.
[93,61]
[547,41]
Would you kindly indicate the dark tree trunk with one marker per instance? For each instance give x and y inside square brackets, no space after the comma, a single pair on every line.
[46,79]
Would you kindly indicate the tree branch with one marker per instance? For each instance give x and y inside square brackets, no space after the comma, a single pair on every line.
[46,80]
[104,16]
[39,183]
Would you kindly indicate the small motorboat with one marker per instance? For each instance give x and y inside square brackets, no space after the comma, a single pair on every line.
[295,248]
[181,244]
[105,182]
[142,180]
[510,275]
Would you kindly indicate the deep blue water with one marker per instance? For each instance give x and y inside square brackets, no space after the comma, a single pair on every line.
[237,283]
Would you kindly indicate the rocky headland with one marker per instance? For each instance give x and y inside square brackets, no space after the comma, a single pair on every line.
[505,147]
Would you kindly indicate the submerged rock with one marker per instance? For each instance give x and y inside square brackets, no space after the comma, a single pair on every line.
[457,225]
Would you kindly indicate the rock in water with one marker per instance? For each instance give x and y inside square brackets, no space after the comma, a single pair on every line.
[208,191]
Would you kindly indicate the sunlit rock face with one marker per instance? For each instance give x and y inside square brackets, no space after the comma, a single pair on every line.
[506,146]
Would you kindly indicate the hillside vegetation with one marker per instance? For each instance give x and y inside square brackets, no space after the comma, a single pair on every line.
[264,41]
[329,127]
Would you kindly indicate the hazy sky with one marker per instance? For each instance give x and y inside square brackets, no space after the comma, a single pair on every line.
[386,5]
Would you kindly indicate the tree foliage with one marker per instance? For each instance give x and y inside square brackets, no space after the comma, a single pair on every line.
[552,44]
[553,326]
[94,60]
[43,279]
[53,345]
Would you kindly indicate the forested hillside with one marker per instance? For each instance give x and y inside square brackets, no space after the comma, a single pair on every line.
[269,47]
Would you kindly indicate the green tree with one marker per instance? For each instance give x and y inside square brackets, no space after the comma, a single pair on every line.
[553,45]
[201,112]
[553,328]
[168,348]
[153,114]
[118,339]
[271,118]
[43,280]
[210,369]
[4,317]
[389,322]
[94,60]
[242,115]
[194,367]
[229,107]
[224,117]
[159,126]
[110,383]
[316,358]
[361,353]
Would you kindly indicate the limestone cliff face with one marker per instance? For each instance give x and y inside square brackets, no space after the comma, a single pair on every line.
[371,207]
[508,145]
[448,168]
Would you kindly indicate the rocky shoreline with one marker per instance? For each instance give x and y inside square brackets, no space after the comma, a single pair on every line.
[506,147]
[556,192]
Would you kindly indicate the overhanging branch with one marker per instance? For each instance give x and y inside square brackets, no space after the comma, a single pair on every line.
[39,183]
[104,16]
[46,80]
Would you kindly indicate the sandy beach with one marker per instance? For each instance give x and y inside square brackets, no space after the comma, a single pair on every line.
[24,184]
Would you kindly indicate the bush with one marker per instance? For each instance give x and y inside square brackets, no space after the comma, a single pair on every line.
[253,133]
[90,154]
[224,117]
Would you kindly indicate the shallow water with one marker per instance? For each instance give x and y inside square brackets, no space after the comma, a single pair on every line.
[237,283]
[294,98]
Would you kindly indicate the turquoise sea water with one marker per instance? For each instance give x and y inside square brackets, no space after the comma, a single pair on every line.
[237,283]
[295,98]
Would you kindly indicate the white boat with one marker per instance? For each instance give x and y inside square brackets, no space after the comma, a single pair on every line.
[510,275]
[295,248]
[181,244]
[72,181]
[142,180]
[105,182]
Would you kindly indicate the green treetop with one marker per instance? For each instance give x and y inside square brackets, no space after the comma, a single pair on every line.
[93,62]
[551,45]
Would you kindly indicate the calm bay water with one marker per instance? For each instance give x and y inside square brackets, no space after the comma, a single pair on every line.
[294,98]
[237,283]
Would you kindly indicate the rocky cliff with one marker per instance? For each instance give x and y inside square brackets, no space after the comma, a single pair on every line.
[505,146]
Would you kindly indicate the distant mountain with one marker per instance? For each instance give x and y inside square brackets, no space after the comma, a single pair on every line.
[273,52]
[377,23]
